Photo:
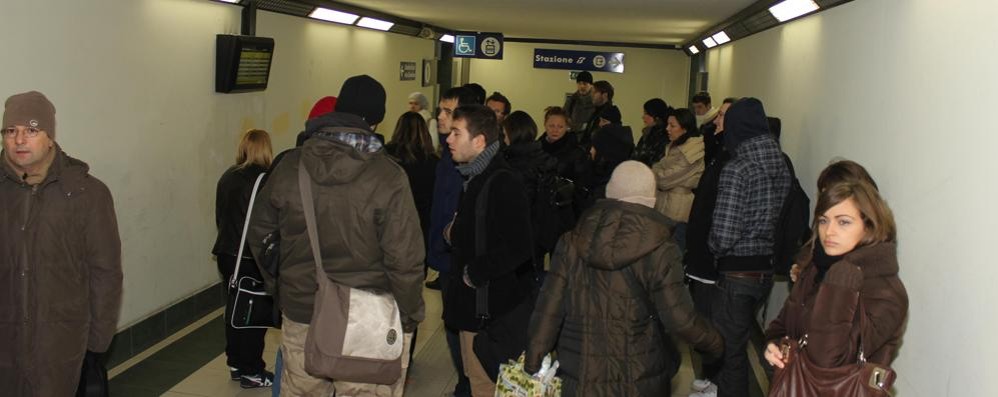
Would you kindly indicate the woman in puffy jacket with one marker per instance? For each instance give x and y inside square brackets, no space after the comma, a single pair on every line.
[679,171]
[614,295]
[848,292]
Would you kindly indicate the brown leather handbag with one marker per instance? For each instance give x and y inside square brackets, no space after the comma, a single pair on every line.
[802,378]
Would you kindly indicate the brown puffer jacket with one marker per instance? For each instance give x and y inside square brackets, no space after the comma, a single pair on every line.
[60,277]
[610,342]
[367,222]
[826,312]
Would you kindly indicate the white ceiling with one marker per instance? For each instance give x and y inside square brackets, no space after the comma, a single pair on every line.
[630,21]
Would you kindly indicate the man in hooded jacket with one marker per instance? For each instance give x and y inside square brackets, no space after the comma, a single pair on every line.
[368,229]
[751,191]
[60,257]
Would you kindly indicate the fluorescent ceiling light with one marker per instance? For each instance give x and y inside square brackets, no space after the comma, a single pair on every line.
[230,1]
[372,23]
[721,37]
[709,42]
[326,14]
[447,38]
[694,50]
[790,9]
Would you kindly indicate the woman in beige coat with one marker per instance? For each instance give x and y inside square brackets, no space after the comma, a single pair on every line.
[678,173]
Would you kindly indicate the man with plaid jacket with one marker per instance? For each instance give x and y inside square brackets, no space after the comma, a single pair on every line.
[751,191]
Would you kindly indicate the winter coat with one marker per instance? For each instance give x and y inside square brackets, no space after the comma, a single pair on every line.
[366,221]
[651,146]
[531,162]
[60,273]
[610,340]
[579,108]
[506,267]
[698,259]
[422,175]
[677,174]
[232,197]
[573,164]
[827,310]
[446,193]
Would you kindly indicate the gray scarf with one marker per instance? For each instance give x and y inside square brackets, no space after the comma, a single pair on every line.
[471,169]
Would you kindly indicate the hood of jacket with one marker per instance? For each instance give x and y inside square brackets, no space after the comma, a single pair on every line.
[570,139]
[692,149]
[614,234]
[745,119]
[339,147]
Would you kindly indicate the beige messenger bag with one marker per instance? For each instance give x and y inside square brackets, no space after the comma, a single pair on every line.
[355,335]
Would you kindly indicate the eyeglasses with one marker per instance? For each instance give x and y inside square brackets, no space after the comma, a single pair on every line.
[11,132]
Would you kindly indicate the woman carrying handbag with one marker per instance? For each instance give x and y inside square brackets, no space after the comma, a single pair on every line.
[839,329]
[244,345]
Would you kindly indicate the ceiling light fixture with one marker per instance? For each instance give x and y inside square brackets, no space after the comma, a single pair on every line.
[721,37]
[694,50]
[709,42]
[371,23]
[447,38]
[230,1]
[326,14]
[790,9]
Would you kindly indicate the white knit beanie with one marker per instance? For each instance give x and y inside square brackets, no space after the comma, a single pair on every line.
[633,182]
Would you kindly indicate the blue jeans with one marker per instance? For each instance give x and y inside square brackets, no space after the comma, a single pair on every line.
[736,302]
[275,389]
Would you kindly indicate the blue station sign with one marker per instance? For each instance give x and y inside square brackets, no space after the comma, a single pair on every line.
[579,60]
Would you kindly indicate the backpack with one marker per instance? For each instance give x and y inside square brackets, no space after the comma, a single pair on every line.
[793,228]
[552,209]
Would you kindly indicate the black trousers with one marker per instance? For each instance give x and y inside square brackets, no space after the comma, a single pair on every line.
[703,298]
[736,302]
[243,347]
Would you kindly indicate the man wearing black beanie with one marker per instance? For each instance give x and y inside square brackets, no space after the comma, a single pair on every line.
[368,230]
[579,105]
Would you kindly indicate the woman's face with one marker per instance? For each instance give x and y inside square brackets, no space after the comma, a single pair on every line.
[648,120]
[673,129]
[841,228]
[555,127]
[414,106]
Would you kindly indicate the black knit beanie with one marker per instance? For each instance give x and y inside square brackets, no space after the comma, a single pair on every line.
[363,96]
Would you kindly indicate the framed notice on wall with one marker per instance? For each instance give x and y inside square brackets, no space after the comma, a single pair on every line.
[407,71]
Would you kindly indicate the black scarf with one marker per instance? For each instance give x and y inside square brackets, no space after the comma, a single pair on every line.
[823,262]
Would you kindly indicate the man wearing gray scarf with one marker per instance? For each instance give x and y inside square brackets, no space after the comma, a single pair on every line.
[492,295]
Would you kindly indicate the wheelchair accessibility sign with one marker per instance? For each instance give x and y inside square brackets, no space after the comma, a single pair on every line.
[478,45]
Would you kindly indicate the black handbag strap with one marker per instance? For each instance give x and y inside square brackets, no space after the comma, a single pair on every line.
[242,241]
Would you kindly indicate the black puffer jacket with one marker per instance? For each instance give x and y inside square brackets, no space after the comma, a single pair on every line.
[651,146]
[611,341]
[573,163]
[531,162]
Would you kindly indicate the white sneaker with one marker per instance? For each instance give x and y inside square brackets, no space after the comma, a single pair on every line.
[702,384]
[710,391]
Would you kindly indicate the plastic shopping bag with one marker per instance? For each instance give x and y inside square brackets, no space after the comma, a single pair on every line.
[514,382]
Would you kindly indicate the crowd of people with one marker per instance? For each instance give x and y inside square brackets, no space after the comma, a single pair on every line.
[556,235]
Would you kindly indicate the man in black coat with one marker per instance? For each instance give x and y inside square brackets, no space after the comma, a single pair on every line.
[492,250]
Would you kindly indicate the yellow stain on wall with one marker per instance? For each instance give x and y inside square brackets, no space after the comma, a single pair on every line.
[281,124]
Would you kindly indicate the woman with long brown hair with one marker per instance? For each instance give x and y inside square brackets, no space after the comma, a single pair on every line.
[848,300]
[243,347]
[412,148]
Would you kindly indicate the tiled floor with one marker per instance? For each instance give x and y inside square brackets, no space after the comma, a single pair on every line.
[431,375]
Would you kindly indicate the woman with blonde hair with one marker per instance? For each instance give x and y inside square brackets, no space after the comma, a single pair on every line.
[243,347]
[848,301]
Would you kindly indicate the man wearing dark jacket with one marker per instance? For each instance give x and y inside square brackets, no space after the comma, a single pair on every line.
[579,105]
[60,257]
[492,279]
[602,100]
[446,193]
[751,191]
[368,229]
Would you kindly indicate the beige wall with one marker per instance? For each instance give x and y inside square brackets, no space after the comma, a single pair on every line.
[904,87]
[133,82]
[648,73]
